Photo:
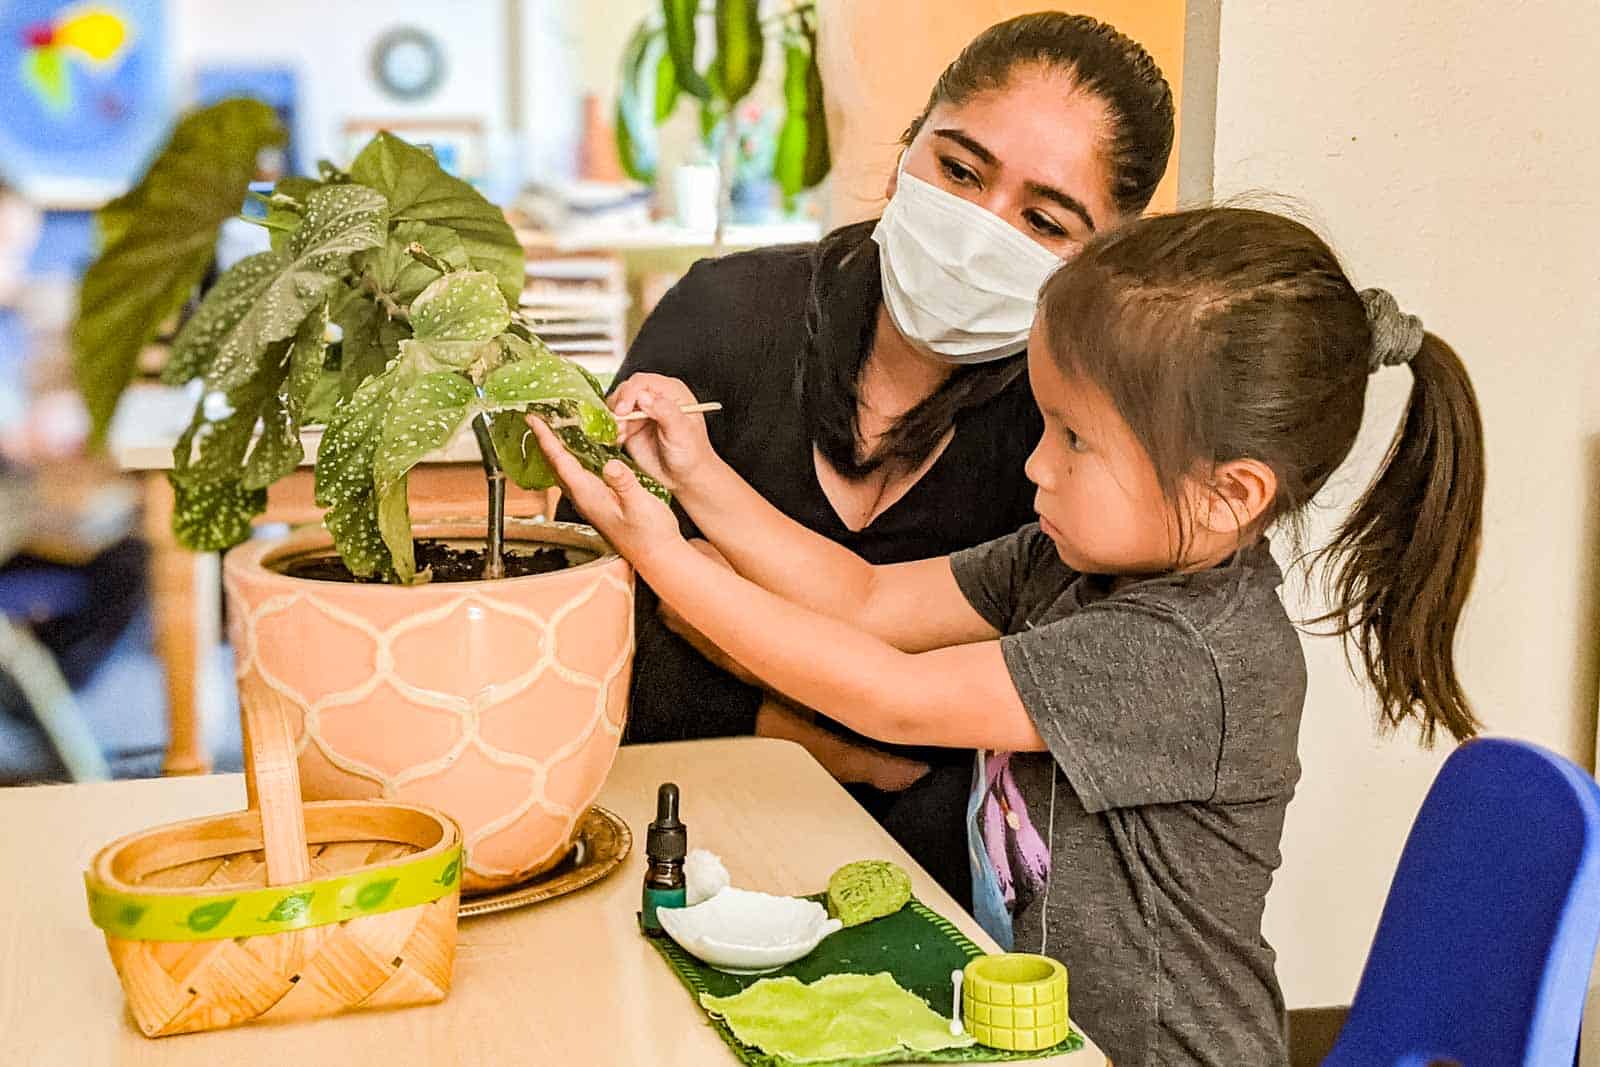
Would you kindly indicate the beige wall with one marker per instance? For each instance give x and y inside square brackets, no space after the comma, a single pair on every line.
[880,58]
[1448,151]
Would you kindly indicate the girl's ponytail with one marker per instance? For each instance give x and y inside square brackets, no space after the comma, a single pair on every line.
[1400,568]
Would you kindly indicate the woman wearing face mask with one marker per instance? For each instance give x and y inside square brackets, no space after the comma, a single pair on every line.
[872,383]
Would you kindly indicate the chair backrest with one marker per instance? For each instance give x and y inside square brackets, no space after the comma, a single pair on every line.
[1483,952]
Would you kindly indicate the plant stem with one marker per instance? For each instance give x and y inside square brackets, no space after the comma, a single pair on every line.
[494,564]
[729,145]
[417,252]
[370,285]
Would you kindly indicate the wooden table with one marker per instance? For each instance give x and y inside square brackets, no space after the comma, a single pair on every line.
[569,981]
[185,586]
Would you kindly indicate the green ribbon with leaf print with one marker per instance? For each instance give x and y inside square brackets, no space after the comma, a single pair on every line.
[136,916]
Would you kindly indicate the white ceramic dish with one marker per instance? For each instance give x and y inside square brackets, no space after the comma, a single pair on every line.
[743,932]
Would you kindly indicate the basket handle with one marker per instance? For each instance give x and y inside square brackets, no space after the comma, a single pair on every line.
[272,782]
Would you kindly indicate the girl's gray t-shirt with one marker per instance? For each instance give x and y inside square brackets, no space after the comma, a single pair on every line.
[1171,708]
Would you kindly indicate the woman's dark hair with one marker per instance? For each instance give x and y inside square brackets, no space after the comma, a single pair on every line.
[1099,61]
[1228,333]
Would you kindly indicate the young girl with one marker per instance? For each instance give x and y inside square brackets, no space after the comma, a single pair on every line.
[1125,663]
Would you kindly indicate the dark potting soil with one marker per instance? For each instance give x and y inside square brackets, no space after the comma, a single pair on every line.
[448,564]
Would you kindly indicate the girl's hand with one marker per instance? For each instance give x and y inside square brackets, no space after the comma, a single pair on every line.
[636,523]
[669,446]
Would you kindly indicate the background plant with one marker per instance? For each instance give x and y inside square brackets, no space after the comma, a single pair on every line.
[419,273]
[658,68]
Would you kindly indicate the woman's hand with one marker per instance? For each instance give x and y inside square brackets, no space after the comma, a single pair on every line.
[849,762]
[636,523]
[669,446]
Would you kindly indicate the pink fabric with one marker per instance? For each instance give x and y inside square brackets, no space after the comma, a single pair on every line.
[1031,851]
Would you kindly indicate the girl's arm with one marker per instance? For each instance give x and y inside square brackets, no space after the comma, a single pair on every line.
[912,606]
[961,696]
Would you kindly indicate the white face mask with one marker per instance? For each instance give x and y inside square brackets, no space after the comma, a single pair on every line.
[957,280]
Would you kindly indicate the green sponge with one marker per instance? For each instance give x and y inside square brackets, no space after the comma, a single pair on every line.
[867,889]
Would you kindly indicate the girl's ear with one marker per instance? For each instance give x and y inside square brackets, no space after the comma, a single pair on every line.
[1239,493]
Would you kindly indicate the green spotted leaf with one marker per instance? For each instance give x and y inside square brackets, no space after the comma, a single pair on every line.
[130,915]
[418,190]
[291,908]
[393,512]
[157,241]
[565,396]
[217,438]
[323,399]
[213,507]
[278,450]
[375,893]
[518,450]
[427,357]
[546,378]
[423,418]
[371,340]
[207,916]
[281,220]
[307,355]
[340,220]
[235,293]
[344,477]
[450,873]
[214,516]
[596,454]
[397,272]
[463,306]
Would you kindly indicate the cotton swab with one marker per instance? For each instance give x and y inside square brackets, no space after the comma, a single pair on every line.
[955,1007]
[687,409]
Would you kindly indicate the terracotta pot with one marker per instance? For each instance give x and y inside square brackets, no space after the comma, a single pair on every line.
[500,703]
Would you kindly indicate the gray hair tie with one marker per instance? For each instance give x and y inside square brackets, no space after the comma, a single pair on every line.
[1396,336]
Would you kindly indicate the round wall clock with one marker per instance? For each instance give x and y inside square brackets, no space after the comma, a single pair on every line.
[408,63]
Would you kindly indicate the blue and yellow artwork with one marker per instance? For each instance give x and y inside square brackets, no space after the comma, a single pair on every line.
[87,90]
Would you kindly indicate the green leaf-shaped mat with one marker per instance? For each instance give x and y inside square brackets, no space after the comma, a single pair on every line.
[840,1017]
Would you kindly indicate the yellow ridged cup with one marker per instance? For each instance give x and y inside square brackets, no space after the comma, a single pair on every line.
[1015,1001]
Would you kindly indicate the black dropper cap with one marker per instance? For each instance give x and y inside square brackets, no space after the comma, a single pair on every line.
[667,839]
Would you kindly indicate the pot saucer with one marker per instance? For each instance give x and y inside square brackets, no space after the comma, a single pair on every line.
[604,841]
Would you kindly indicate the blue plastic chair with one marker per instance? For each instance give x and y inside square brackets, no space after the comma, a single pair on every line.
[1483,953]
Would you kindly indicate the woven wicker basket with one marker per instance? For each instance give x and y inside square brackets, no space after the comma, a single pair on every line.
[281,911]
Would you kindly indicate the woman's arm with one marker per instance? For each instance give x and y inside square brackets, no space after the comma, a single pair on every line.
[913,606]
[960,696]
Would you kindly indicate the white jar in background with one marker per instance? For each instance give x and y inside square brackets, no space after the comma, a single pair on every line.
[695,187]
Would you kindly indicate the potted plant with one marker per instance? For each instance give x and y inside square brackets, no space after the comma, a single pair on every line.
[479,666]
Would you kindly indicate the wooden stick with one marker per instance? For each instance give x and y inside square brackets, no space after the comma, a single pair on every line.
[687,409]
